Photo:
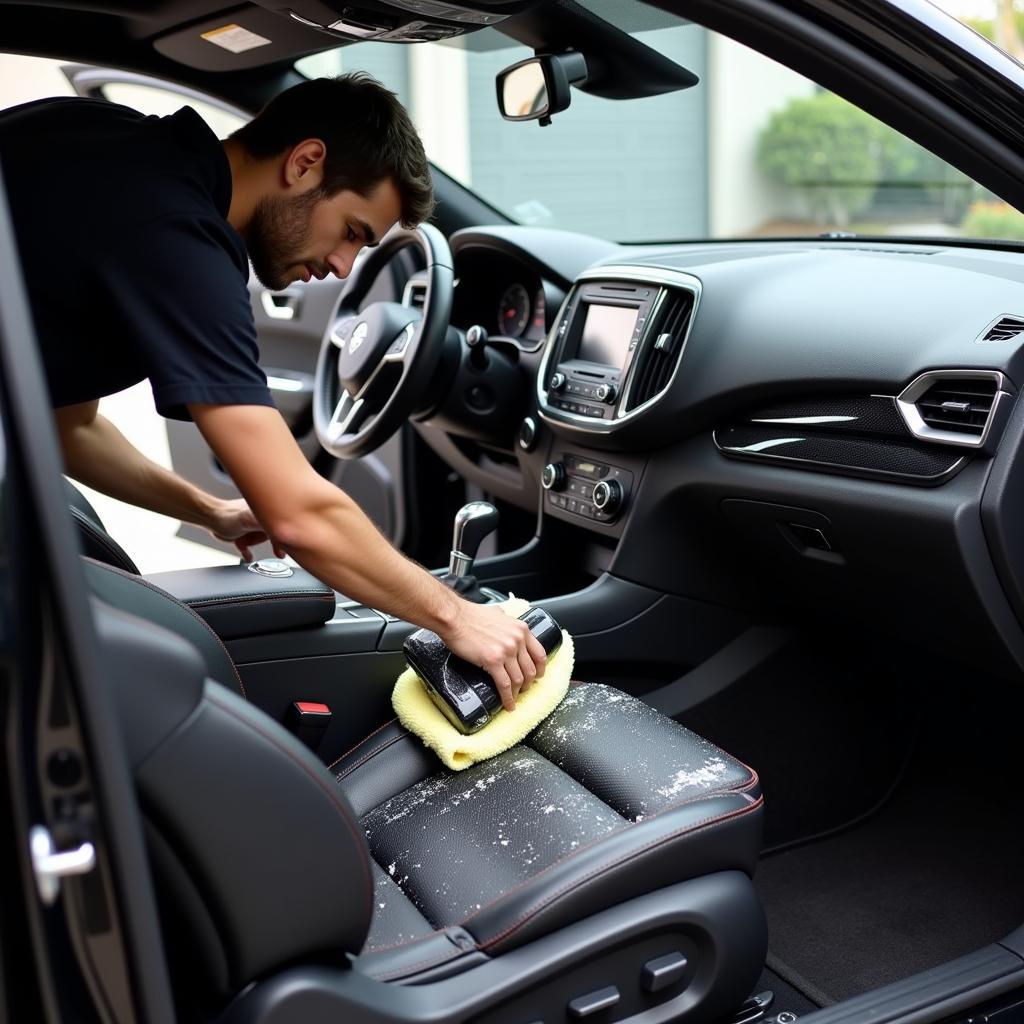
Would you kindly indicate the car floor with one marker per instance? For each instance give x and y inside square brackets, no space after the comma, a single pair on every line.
[893,817]
[936,873]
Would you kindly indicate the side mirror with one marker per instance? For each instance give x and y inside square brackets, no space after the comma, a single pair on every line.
[538,87]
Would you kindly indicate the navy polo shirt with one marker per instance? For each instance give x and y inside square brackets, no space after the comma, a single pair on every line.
[131,267]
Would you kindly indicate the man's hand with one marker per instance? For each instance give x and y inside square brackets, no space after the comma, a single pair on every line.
[234,521]
[503,646]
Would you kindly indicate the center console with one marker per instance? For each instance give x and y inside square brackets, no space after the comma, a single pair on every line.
[614,351]
[616,347]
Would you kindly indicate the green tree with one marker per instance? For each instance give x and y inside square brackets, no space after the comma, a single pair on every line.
[828,149]
[1006,29]
[838,156]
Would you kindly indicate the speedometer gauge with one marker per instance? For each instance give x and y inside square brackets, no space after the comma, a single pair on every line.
[514,311]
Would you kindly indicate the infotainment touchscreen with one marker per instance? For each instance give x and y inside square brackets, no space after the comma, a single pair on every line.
[606,334]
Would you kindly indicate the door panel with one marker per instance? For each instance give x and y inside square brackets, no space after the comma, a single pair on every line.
[290,325]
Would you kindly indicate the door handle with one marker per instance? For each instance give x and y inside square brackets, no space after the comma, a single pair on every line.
[51,865]
[280,305]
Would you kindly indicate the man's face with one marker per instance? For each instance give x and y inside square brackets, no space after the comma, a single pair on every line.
[295,238]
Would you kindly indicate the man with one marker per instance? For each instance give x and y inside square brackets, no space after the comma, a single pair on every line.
[135,234]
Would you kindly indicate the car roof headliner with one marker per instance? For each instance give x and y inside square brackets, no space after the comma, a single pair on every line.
[163,39]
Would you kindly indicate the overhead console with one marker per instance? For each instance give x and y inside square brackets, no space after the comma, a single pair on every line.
[403,21]
[615,349]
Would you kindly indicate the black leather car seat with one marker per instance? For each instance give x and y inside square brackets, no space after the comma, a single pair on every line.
[607,800]
[96,542]
[611,840]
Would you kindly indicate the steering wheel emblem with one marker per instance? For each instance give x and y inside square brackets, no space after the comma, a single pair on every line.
[358,337]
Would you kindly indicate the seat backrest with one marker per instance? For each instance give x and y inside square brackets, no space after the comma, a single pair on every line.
[92,534]
[257,855]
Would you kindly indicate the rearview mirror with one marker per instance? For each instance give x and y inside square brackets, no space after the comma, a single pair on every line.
[538,87]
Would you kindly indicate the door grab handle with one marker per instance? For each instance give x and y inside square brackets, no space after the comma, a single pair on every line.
[279,305]
[51,865]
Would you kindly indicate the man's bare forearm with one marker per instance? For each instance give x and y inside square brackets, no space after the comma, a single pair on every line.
[328,534]
[341,546]
[98,455]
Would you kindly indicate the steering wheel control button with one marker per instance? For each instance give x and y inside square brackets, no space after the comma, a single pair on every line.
[608,495]
[270,567]
[593,1003]
[553,477]
[662,972]
[527,434]
[401,343]
[557,382]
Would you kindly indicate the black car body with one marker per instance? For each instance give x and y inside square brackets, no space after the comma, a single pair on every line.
[785,514]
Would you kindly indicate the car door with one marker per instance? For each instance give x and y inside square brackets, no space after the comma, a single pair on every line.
[290,325]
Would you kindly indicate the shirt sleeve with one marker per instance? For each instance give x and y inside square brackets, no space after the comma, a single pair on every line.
[180,301]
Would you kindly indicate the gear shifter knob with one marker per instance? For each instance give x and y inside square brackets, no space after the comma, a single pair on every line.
[473,522]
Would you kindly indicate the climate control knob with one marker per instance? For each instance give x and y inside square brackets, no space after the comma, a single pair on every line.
[608,495]
[557,382]
[553,477]
[605,393]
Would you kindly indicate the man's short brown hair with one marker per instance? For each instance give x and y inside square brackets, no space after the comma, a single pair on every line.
[368,134]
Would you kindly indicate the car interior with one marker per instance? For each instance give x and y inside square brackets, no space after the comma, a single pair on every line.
[770,486]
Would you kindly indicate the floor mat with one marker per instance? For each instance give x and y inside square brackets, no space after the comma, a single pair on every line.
[933,875]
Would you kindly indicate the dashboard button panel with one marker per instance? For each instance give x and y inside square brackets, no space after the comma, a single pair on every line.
[582,477]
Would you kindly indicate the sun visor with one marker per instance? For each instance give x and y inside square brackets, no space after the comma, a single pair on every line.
[244,37]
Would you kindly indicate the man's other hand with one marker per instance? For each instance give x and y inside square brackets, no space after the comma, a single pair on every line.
[503,646]
[233,521]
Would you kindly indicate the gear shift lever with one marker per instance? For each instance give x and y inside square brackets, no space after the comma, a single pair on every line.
[473,522]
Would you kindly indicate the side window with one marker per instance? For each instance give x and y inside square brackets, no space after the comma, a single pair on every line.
[23,79]
[152,99]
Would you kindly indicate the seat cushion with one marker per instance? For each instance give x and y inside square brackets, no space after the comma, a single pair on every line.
[606,800]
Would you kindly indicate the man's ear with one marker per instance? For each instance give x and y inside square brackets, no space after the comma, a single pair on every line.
[304,165]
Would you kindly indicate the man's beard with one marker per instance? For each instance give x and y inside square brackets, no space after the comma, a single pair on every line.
[277,235]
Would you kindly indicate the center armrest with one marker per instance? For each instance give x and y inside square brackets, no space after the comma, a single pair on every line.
[238,602]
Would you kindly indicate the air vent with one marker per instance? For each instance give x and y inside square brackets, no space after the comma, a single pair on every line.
[1004,329]
[662,347]
[953,406]
[962,406]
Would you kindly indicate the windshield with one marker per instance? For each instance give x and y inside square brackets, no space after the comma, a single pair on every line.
[754,150]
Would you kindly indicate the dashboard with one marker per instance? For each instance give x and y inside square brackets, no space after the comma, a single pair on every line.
[506,298]
[830,427]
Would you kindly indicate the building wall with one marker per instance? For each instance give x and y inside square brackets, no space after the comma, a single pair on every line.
[744,90]
[655,192]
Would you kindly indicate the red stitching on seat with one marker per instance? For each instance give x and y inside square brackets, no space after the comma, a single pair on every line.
[576,883]
[292,595]
[390,721]
[376,750]
[178,604]
[328,790]
[593,842]
[689,829]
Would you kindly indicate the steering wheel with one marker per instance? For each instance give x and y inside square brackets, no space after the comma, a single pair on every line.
[375,364]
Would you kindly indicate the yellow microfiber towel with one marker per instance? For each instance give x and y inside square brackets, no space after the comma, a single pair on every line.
[416,711]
